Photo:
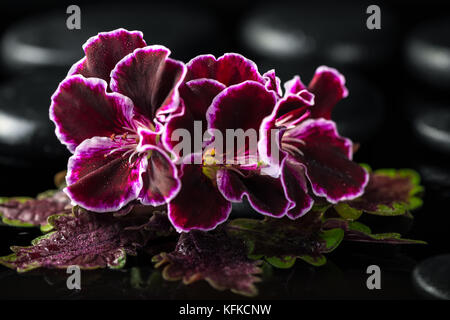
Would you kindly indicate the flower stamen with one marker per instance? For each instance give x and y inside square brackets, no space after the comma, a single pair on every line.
[291,149]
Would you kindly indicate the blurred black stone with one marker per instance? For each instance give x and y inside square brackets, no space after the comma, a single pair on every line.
[428,53]
[431,124]
[26,132]
[436,178]
[334,34]
[432,277]
[44,40]
[18,236]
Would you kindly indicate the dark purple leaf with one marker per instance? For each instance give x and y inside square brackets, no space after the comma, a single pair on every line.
[89,240]
[389,192]
[212,256]
[28,212]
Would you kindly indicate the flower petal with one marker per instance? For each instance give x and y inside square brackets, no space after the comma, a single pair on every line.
[288,111]
[270,151]
[328,86]
[327,160]
[293,86]
[197,96]
[265,194]
[294,183]
[104,50]
[150,79]
[101,180]
[147,139]
[199,204]
[293,108]
[160,179]
[272,82]
[243,106]
[229,69]
[240,110]
[81,109]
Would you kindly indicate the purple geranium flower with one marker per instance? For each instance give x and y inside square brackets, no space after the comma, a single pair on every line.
[206,77]
[224,93]
[114,133]
[309,147]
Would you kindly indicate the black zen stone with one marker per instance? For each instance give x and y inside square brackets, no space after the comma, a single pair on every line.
[432,277]
[44,40]
[359,116]
[435,176]
[432,126]
[436,180]
[334,33]
[428,53]
[26,132]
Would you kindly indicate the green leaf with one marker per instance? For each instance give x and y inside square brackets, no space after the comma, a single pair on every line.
[389,192]
[29,212]
[333,238]
[316,261]
[281,241]
[359,232]
[89,240]
[358,226]
[282,262]
[46,228]
[10,221]
[347,212]
[363,233]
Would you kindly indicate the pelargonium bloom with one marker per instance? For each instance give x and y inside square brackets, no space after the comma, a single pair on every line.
[211,184]
[120,105]
[224,93]
[206,77]
[310,148]
[114,132]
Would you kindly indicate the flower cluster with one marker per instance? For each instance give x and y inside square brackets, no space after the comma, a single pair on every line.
[120,107]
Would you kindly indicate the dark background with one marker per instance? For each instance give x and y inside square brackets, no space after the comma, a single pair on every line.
[390,95]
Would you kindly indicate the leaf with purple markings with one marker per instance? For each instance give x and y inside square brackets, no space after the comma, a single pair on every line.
[89,240]
[359,232]
[28,212]
[212,256]
[390,192]
[281,241]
